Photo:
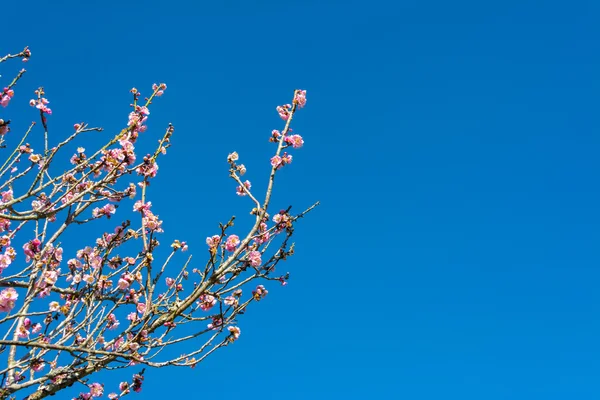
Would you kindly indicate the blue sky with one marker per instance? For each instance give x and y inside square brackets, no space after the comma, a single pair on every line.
[453,146]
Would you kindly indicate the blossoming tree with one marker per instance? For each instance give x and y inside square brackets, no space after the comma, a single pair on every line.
[116,302]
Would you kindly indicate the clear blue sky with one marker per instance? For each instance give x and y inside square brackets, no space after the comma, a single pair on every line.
[453,145]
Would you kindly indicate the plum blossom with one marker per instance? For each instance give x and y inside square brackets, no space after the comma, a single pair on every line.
[7,299]
[112,322]
[279,161]
[300,98]
[231,301]
[235,332]
[54,306]
[254,257]
[213,241]
[242,191]
[259,293]
[96,389]
[159,89]
[232,242]
[31,248]
[5,97]
[232,157]
[284,111]
[216,323]
[107,210]
[41,104]
[295,141]
[206,302]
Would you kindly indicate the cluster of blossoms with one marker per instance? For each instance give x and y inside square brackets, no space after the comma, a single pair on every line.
[6,95]
[263,234]
[254,258]
[31,248]
[243,191]
[41,103]
[286,109]
[96,390]
[23,330]
[296,141]
[125,388]
[9,254]
[137,118]
[259,293]
[235,332]
[7,299]
[206,302]
[106,210]
[300,98]
[213,241]
[159,89]
[149,220]
[279,161]
[92,272]
[282,219]
[149,168]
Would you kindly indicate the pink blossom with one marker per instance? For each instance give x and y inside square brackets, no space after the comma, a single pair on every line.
[213,241]
[231,301]
[206,302]
[22,332]
[276,162]
[284,112]
[54,306]
[255,258]
[31,248]
[107,210]
[260,292]
[7,196]
[217,322]
[295,141]
[5,261]
[112,322]
[41,104]
[89,279]
[38,365]
[235,332]
[275,135]
[96,389]
[142,207]
[233,157]
[7,299]
[281,218]
[123,284]
[232,242]
[36,328]
[242,191]
[6,96]
[170,281]
[141,308]
[151,222]
[300,98]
